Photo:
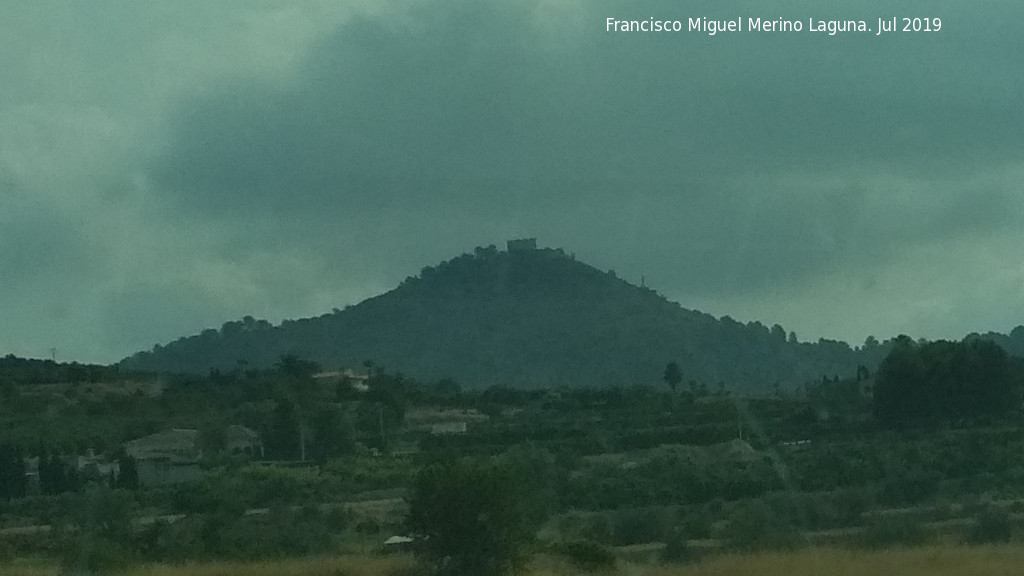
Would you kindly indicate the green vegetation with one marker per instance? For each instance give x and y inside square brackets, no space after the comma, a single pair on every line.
[473,517]
[525,319]
[486,480]
[945,381]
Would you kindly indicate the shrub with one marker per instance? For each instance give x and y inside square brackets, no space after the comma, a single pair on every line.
[698,521]
[850,504]
[890,531]
[993,524]
[178,542]
[94,554]
[282,532]
[593,527]
[367,526]
[587,556]
[337,518]
[639,525]
[473,515]
[906,487]
[208,495]
[755,526]
[103,540]
[676,548]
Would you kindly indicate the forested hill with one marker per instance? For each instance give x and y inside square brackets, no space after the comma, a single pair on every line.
[524,318]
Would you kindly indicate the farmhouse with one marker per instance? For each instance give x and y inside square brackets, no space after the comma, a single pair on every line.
[167,457]
[443,422]
[175,443]
[358,382]
[239,439]
[172,456]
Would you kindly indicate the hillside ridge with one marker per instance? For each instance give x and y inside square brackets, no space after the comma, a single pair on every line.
[522,317]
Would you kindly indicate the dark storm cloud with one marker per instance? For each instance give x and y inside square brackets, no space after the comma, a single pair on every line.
[270,162]
[41,249]
[470,111]
[380,115]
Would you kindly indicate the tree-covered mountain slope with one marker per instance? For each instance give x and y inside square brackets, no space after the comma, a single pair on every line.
[525,317]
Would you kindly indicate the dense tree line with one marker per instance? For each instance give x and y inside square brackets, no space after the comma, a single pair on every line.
[55,474]
[946,381]
[35,371]
[562,438]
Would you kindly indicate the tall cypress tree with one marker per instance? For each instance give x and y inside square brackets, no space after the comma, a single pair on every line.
[12,472]
[128,474]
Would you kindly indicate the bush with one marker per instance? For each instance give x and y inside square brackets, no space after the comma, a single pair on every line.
[103,539]
[587,556]
[850,504]
[890,531]
[473,515]
[367,527]
[593,527]
[755,526]
[281,532]
[178,542]
[907,487]
[698,521]
[208,495]
[676,548]
[993,524]
[95,555]
[638,526]
[337,518]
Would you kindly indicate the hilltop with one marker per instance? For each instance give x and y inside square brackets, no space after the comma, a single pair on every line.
[522,317]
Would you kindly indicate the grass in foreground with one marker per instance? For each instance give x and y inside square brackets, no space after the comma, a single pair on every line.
[349,565]
[1001,560]
[926,561]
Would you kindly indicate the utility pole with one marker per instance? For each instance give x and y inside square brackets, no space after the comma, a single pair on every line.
[380,419]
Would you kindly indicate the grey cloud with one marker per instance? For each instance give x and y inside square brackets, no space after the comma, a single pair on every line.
[470,114]
[40,246]
[733,165]
[470,93]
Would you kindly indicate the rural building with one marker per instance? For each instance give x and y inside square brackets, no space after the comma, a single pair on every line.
[92,466]
[167,471]
[522,245]
[357,381]
[167,457]
[178,443]
[441,422]
[172,456]
[241,439]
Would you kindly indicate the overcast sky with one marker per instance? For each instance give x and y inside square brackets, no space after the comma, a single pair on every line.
[169,166]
